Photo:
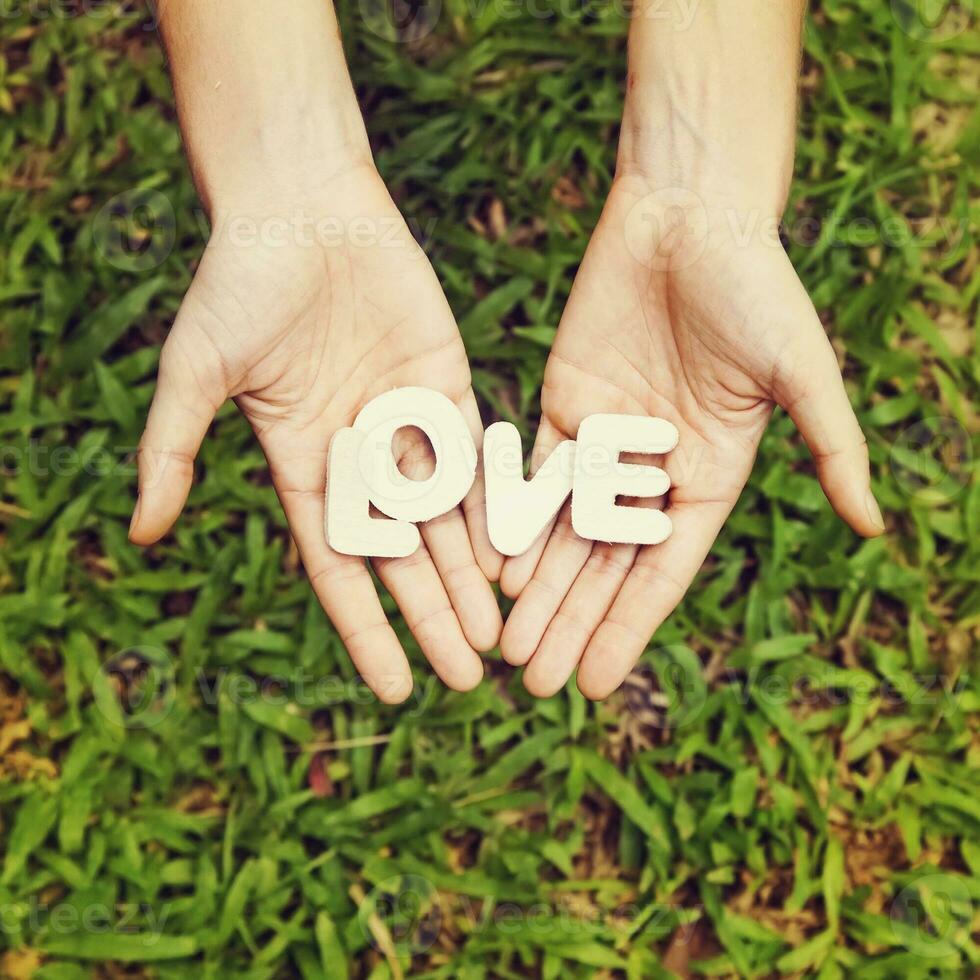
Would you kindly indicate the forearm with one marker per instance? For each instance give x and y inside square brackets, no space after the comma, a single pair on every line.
[712,107]
[265,101]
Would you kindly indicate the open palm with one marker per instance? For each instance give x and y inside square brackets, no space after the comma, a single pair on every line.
[302,324]
[672,315]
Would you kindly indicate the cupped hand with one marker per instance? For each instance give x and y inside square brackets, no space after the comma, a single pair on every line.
[302,314]
[687,309]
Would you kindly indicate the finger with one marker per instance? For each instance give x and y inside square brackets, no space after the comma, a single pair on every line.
[448,550]
[564,556]
[812,391]
[580,614]
[517,571]
[655,585]
[475,503]
[465,583]
[416,587]
[342,583]
[189,391]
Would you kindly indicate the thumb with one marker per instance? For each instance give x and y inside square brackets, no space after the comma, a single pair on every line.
[188,394]
[812,393]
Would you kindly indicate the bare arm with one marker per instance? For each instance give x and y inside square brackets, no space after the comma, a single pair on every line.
[315,300]
[264,96]
[685,307]
[713,105]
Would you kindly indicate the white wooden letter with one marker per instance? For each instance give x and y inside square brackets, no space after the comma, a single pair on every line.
[600,477]
[350,528]
[392,492]
[519,510]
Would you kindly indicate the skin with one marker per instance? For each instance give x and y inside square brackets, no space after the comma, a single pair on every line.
[311,298]
[685,307]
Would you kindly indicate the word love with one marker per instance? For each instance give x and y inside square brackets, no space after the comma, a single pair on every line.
[362,470]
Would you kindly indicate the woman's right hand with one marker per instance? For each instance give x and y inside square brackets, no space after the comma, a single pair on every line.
[302,311]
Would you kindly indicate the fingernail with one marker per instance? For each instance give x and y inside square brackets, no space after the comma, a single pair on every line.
[874,511]
[135,519]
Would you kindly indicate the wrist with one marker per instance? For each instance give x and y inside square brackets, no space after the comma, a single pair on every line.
[265,101]
[348,210]
[711,108]
[272,161]
[703,155]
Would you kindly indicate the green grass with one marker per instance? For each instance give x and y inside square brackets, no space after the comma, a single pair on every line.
[788,786]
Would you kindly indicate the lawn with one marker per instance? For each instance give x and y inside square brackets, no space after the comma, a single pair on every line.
[193,782]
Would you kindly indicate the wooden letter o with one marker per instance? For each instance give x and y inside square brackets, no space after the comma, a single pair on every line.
[393,493]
